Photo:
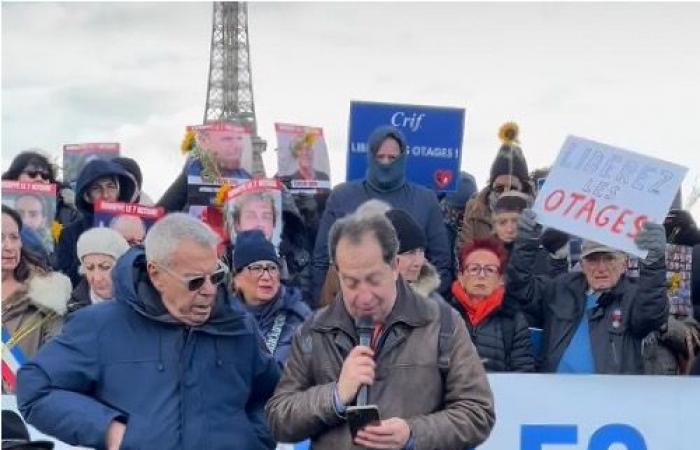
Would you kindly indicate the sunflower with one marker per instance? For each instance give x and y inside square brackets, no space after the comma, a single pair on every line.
[188,141]
[56,229]
[508,133]
[222,193]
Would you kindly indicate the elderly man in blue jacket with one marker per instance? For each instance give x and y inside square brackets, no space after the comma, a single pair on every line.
[386,180]
[168,364]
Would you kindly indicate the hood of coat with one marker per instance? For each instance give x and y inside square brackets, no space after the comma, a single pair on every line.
[99,168]
[132,285]
[386,177]
[428,280]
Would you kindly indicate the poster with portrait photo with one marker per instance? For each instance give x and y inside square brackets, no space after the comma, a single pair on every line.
[302,158]
[131,220]
[76,156]
[678,279]
[255,204]
[223,154]
[36,205]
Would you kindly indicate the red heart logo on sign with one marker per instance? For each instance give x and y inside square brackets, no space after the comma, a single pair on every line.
[442,178]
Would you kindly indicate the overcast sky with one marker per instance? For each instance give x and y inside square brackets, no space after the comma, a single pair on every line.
[624,74]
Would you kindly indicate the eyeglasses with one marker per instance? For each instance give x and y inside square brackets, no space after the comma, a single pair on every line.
[257,270]
[195,283]
[37,173]
[474,269]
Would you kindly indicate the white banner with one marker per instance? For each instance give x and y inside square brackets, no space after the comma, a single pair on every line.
[594,412]
[605,194]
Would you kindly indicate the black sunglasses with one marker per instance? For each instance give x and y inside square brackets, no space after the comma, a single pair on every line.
[195,283]
[35,173]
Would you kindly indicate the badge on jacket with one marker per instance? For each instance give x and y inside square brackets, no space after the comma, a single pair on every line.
[616,318]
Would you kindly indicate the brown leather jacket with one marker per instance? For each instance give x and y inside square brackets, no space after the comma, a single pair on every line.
[452,410]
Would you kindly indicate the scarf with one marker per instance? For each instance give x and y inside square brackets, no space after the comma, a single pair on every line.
[477,310]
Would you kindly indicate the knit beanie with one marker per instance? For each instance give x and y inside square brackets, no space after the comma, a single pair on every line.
[466,187]
[408,232]
[102,241]
[510,159]
[251,246]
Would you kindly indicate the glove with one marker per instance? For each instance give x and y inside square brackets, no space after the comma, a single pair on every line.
[677,221]
[553,240]
[528,228]
[653,239]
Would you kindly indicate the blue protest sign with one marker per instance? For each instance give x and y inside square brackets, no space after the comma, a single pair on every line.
[434,136]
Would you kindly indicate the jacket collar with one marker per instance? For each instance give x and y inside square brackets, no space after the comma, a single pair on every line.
[578,287]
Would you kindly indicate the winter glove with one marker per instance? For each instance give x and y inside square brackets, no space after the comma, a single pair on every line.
[653,239]
[528,228]
[554,241]
[680,228]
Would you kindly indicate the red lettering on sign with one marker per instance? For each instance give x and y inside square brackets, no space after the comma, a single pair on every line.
[548,206]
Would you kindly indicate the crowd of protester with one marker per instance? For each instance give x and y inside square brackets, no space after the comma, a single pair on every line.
[159,340]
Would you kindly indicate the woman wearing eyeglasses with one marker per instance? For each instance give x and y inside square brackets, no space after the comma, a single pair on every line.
[497,328]
[32,166]
[98,250]
[278,310]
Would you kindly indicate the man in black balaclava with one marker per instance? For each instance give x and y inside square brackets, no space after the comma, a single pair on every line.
[386,181]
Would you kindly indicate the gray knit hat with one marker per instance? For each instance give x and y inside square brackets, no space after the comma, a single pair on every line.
[103,241]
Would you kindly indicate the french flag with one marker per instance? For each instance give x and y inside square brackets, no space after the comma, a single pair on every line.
[12,360]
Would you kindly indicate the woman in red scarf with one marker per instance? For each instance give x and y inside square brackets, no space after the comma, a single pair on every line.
[497,328]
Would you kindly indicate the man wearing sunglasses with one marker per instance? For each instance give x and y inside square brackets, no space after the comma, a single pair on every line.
[171,363]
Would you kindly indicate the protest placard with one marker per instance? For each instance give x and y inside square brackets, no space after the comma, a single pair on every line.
[131,220]
[434,136]
[76,156]
[302,158]
[36,205]
[223,154]
[255,204]
[679,262]
[605,194]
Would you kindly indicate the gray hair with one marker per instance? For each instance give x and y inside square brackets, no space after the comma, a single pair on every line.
[172,230]
[368,218]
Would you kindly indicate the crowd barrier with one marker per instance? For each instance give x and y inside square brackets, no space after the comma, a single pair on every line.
[582,412]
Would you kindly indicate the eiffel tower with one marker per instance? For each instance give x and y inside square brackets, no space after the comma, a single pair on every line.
[230,85]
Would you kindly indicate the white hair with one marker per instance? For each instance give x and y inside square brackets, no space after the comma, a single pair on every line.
[172,230]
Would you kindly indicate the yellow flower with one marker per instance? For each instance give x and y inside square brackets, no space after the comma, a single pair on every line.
[508,133]
[675,283]
[309,139]
[188,141]
[221,194]
[56,229]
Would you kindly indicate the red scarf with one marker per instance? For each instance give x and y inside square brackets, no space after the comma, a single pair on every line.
[477,310]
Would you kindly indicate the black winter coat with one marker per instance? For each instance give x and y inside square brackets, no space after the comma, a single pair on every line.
[638,306]
[490,336]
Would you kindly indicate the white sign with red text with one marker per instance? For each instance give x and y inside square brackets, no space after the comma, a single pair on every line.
[605,193]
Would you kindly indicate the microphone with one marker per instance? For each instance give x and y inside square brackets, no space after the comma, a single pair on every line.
[365,328]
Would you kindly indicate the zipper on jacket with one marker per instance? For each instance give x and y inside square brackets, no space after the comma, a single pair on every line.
[614,352]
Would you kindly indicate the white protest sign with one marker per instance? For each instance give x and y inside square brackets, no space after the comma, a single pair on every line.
[605,194]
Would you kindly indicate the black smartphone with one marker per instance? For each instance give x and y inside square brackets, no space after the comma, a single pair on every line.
[360,416]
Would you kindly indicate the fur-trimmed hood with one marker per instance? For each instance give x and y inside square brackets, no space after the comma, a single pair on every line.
[50,292]
[428,280]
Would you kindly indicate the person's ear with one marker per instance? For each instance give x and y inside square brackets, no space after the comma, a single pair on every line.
[154,273]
